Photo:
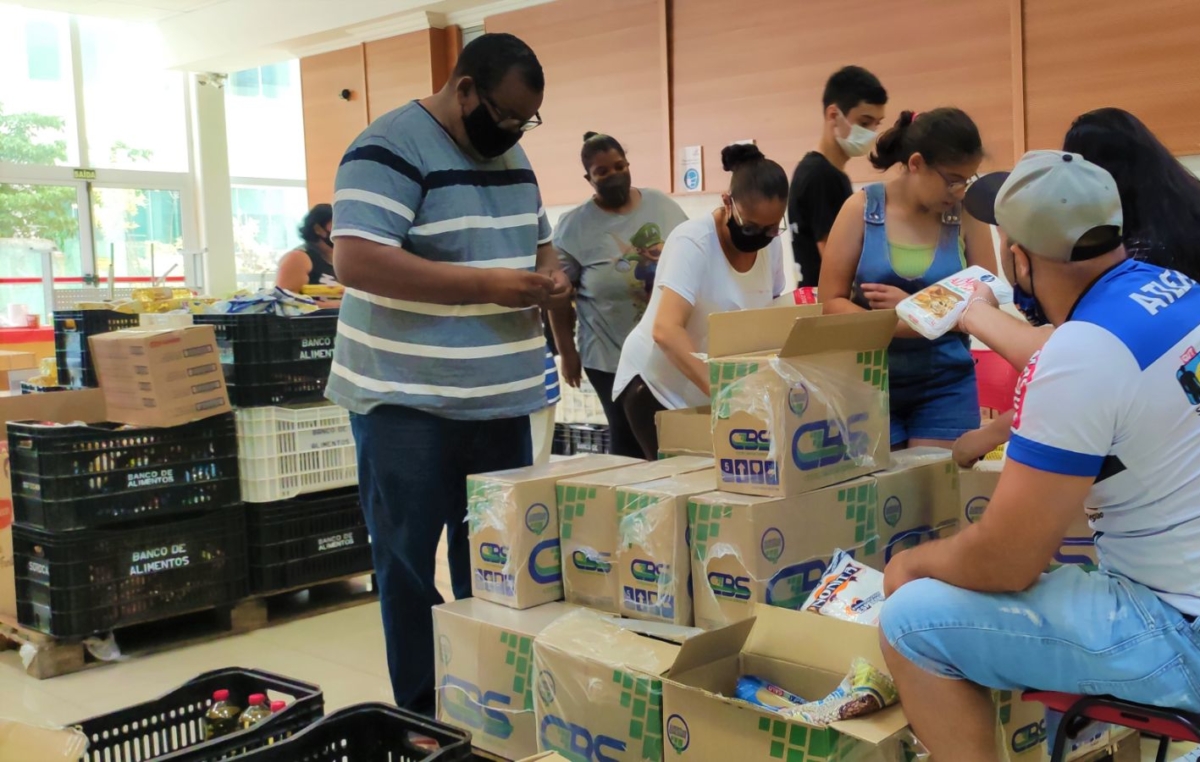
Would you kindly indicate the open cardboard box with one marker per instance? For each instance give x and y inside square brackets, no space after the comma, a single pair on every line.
[29,743]
[598,686]
[800,399]
[806,654]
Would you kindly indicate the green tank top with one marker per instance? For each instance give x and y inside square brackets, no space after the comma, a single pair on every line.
[911,262]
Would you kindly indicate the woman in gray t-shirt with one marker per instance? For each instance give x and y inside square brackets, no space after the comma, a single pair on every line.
[609,247]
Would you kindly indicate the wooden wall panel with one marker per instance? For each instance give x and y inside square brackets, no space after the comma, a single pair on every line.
[602,60]
[1141,56]
[330,123]
[758,73]
[399,69]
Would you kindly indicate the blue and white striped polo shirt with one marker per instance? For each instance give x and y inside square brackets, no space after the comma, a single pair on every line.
[405,182]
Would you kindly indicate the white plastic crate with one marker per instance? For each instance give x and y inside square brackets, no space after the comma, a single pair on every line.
[580,405]
[293,450]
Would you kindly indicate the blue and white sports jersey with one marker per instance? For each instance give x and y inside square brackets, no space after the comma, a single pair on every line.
[1115,395]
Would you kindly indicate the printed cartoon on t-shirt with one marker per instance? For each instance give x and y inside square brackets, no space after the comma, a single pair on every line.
[639,257]
[1187,375]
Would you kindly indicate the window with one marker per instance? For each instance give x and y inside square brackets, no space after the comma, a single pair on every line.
[36,220]
[264,123]
[41,51]
[37,97]
[136,110]
[265,225]
[138,231]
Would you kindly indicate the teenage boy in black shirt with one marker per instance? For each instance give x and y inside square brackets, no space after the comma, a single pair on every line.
[854,109]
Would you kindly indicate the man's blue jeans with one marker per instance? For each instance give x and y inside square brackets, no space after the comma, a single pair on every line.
[412,471]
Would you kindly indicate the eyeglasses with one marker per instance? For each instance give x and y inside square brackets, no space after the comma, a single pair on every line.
[755,230]
[956,185]
[512,124]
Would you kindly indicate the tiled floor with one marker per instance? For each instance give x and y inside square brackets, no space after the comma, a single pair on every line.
[343,652]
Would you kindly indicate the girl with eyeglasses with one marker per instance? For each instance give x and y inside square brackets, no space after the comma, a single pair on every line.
[729,260]
[897,237]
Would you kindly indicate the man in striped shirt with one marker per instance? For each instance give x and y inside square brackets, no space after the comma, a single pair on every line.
[444,248]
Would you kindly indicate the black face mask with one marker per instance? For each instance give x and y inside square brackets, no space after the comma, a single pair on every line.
[614,190]
[744,243]
[1028,305]
[488,138]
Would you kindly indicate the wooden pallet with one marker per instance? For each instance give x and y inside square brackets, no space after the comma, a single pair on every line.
[57,656]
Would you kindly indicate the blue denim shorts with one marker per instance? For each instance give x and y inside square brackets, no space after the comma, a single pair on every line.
[1076,632]
[933,391]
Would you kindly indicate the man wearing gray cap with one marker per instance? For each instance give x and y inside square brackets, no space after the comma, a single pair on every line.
[1107,418]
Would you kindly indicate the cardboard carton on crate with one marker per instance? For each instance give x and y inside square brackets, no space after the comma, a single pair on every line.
[160,377]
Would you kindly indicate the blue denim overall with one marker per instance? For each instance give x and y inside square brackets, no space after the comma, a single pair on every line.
[933,392]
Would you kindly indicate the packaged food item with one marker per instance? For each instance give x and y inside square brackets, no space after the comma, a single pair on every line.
[865,690]
[848,590]
[221,719]
[759,692]
[935,310]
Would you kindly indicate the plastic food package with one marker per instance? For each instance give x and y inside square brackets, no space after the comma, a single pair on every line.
[865,691]
[934,311]
[848,590]
[767,695]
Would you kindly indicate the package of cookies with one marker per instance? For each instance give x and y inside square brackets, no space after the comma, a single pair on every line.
[935,310]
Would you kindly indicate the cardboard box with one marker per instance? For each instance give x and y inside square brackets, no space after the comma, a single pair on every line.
[748,550]
[548,757]
[16,367]
[803,653]
[59,407]
[598,689]
[807,413]
[1026,732]
[654,562]
[513,521]
[1078,546]
[160,377]
[485,671]
[28,743]
[684,432]
[588,515]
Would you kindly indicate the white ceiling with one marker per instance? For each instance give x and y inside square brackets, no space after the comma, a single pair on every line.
[228,35]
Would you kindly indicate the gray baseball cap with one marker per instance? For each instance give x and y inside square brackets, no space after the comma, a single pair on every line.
[1049,202]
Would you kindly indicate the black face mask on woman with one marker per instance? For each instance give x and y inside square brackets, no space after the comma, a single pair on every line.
[488,138]
[614,190]
[743,241]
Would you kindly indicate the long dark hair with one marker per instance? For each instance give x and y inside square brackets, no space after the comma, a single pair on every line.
[943,136]
[1159,197]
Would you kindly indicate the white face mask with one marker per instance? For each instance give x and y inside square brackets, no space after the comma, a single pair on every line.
[859,139]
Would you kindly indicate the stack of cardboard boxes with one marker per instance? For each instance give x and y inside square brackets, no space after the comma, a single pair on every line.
[732,526]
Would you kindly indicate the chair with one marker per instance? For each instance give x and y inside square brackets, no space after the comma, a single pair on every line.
[1166,725]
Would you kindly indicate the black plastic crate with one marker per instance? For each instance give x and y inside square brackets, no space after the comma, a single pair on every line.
[73,584]
[589,439]
[83,477]
[562,440]
[272,360]
[369,733]
[71,331]
[307,540]
[171,727]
